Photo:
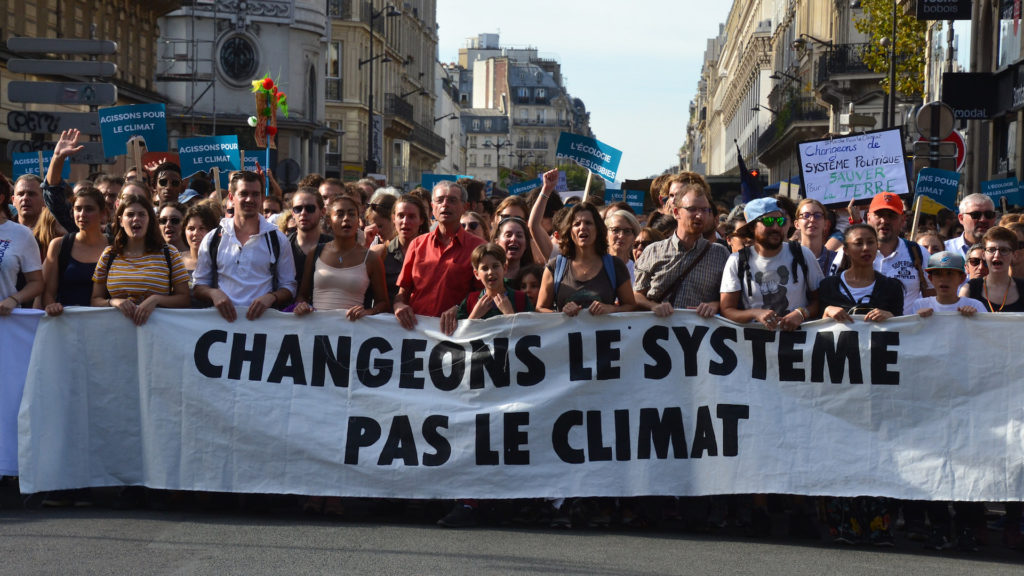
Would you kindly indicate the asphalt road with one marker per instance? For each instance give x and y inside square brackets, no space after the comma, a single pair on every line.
[100,540]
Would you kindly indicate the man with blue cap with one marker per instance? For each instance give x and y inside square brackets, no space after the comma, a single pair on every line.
[771,281]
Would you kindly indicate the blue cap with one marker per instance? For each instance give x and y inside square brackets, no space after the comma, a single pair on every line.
[945,261]
[187,195]
[759,207]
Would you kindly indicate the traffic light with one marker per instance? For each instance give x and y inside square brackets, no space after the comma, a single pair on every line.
[755,173]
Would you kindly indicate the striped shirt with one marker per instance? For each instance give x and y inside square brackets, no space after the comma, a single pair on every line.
[138,277]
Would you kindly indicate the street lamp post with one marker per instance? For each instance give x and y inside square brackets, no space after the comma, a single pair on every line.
[497,148]
[388,11]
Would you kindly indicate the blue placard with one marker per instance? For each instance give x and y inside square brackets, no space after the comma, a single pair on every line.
[120,123]
[28,163]
[592,154]
[204,154]
[428,180]
[524,187]
[996,189]
[252,157]
[939,185]
[635,198]
[563,182]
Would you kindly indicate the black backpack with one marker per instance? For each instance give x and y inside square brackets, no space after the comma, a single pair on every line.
[272,241]
[799,262]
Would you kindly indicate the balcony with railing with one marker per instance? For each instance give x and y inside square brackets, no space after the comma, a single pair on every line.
[395,106]
[793,112]
[843,59]
[426,138]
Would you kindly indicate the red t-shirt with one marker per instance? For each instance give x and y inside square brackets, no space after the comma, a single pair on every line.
[438,276]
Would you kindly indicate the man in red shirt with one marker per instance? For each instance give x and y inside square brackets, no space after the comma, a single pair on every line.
[437,273]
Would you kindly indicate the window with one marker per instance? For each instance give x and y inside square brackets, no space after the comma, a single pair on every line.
[472,160]
[476,125]
[239,59]
[333,76]
[541,93]
[472,141]
[487,125]
[339,9]
[541,115]
[523,94]
[487,160]
[524,114]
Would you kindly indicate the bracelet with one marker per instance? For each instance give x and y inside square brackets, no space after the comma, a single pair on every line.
[803,314]
[274,294]
[17,303]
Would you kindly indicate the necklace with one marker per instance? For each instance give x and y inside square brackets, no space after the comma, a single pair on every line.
[1005,294]
[341,257]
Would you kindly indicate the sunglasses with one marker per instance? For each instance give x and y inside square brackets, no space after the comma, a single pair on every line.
[171,220]
[640,245]
[979,214]
[471,225]
[168,182]
[308,208]
[977,262]
[770,221]
[380,208]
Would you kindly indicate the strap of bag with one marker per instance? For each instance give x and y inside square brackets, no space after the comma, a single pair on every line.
[670,294]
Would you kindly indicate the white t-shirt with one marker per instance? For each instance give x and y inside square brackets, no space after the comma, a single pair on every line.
[898,265]
[19,252]
[771,280]
[931,302]
[858,294]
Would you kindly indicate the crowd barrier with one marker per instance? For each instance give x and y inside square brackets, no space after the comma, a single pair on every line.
[530,405]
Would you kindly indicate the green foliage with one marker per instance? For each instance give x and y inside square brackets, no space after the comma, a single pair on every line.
[576,179]
[910,45]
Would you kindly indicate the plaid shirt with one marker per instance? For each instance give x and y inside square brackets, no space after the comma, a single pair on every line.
[662,262]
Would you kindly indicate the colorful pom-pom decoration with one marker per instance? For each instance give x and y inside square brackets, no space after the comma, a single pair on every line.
[252,121]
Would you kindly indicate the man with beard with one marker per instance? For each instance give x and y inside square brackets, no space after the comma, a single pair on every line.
[770,282]
[308,212]
[896,256]
[437,272]
[241,262]
[977,215]
[684,270]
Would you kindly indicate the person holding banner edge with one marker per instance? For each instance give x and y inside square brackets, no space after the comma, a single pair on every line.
[20,256]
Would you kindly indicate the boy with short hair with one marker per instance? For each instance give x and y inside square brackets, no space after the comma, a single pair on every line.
[496,298]
[946,273]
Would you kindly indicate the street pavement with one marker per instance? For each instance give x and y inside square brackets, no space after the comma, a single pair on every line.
[100,540]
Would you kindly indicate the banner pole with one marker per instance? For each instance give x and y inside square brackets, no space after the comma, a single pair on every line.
[216,180]
[241,159]
[266,171]
[1002,202]
[42,173]
[586,191]
[917,213]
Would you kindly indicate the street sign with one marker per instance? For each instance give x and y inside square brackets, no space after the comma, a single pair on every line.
[961,147]
[948,163]
[61,46]
[935,120]
[30,121]
[945,149]
[91,154]
[62,67]
[97,94]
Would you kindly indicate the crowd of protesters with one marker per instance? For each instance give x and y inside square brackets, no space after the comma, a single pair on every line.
[157,239]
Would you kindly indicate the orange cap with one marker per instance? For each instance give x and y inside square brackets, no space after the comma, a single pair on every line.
[886,201]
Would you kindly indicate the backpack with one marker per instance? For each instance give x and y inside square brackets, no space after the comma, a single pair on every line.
[64,257]
[915,254]
[561,263]
[275,250]
[798,262]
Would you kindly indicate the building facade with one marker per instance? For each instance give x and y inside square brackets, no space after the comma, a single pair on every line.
[133,25]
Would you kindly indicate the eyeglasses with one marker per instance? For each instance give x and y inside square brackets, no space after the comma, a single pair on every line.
[624,231]
[308,208]
[471,225]
[977,262]
[811,216]
[998,250]
[694,210]
[641,244]
[770,221]
[979,214]
[171,220]
[168,182]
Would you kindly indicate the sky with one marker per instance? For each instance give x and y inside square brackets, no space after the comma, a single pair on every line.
[634,64]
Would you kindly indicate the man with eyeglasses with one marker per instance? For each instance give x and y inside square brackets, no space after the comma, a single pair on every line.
[252,265]
[770,282]
[977,215]
[168,183]
[894,258]
[308,212]
[684,270]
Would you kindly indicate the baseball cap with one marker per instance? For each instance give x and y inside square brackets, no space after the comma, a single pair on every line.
[886,201]
[945,260]
[187,195]
[759,207]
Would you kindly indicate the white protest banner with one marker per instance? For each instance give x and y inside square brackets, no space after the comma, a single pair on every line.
[18,331]
[838,170]
[533,405]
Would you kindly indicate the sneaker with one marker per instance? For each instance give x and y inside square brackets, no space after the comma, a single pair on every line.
[461,516]
[938,541]
[844,535]
[881,539]
[561,519]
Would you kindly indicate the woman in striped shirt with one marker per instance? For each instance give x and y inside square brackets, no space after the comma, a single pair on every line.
[139,272]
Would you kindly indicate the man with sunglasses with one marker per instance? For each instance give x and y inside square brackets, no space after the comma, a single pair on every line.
[168,183]
[308,212]
[977,215]
[770,282]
